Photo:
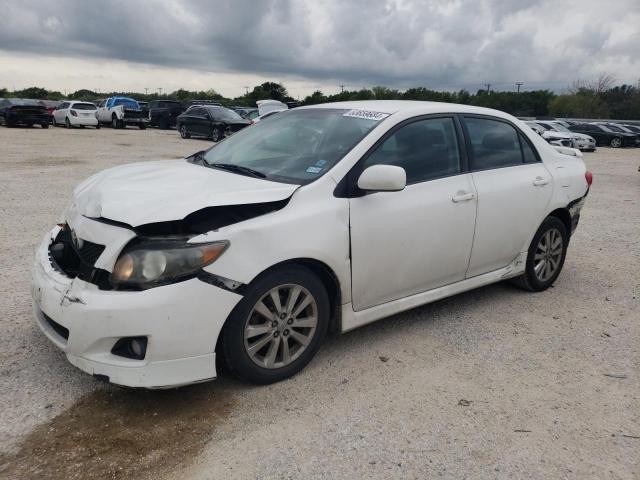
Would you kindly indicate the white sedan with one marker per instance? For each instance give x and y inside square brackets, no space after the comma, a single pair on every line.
[75,114]
[323,218]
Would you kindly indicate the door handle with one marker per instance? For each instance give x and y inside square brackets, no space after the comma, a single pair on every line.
[539,182]
[462,196]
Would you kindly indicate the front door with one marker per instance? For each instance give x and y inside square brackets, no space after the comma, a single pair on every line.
[420,238]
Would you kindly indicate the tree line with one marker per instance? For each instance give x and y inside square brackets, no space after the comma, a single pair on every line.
[599,98]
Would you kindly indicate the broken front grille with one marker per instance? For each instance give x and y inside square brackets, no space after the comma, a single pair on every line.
[74,257]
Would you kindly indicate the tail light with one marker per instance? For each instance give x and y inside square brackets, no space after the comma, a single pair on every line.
[588,177]
[73,112]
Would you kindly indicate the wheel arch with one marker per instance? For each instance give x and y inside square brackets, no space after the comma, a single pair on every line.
[328,278]
[564,216]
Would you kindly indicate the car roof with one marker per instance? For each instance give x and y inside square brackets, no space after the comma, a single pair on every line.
[418,107]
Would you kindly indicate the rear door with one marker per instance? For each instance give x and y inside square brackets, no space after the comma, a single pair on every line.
[420,238]
[513,188]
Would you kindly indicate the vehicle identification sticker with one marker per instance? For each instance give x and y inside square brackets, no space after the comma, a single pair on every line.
[366,114]
[314,170]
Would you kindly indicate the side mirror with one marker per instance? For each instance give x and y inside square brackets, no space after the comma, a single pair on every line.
[383,178]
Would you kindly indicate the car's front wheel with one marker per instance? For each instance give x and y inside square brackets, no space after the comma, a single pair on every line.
[545,257]
[616,142]
[277,327]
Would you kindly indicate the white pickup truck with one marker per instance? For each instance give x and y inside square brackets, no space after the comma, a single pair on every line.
[120,112]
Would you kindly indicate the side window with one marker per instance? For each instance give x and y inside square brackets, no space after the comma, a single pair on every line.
[494,144]
[426,149]
[527,151]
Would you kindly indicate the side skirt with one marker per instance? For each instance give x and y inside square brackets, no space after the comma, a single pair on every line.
[352,320]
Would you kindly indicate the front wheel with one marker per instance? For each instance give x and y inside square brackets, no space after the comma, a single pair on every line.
[277,327]
[44,125]
[545,257]
[216,134]
[142,126]
[616,142]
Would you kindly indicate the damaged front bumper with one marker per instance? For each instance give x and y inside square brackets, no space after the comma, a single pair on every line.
[181,322]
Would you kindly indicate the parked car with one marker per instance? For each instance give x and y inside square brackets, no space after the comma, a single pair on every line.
[325,217]
[633,128]
[144,106]
[20,111]
[50,105]
[580,141]
[553,137]
[604,136]
[210,121]
[620,129]
[120,112]
[264,116]
[164,113]
[76,114]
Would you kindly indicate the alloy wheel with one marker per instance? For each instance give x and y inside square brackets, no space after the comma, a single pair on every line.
[281,326]
[548,254]
[616,142]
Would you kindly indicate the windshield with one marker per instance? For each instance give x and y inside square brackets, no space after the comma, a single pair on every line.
[296,146]
[614,128]
[561,128]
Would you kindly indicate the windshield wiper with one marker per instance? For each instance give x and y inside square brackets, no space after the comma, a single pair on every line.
[238,169]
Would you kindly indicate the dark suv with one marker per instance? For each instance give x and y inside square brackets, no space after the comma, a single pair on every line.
[163,113]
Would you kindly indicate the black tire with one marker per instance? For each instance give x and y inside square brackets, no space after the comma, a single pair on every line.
[115,123]
[53,122]
[142,126]
[616,142]
[184,133]
[529,280]
[216,134]
[44,125]
[232,342]
[29,125]
[67,123]
[97,126]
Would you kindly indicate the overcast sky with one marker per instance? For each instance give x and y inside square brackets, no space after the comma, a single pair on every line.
[227,45]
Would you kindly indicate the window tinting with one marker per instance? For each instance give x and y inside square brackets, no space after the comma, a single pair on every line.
[426,149]
[494,144]
[527,151]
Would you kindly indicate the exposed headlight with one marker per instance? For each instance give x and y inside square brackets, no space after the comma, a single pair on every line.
[161,262]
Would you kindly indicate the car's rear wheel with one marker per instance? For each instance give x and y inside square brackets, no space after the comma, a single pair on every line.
[277,327]
[184,133]
[616,142]
[545,257]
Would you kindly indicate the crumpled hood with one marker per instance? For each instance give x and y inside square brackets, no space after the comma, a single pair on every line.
[141,193]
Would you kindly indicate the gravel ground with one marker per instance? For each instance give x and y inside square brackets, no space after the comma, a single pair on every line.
[494,383]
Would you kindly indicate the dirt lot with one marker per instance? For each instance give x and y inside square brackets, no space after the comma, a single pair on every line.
[495,383]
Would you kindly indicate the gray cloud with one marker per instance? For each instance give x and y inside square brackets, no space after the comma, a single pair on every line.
[440,43]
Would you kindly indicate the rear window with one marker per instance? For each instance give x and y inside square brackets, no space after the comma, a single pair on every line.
[83,106]
[494,144]
[224,114]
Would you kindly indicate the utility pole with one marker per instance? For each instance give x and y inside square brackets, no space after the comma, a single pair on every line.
[519,84]
[246,90]
[146,90]
[341,88]
[488,85]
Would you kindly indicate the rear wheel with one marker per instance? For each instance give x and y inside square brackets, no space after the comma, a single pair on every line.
[183,131]
[44,125]
[142,126]
[545,257]
[616,142]
[277,327]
